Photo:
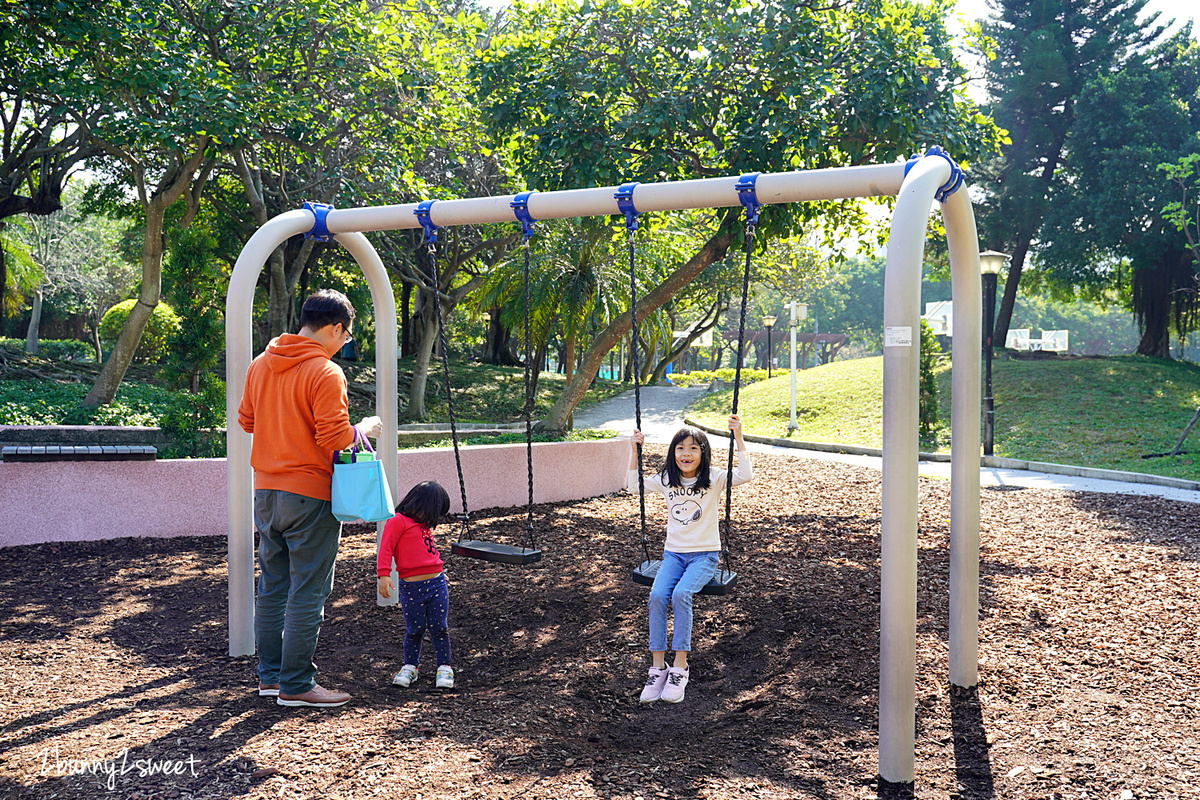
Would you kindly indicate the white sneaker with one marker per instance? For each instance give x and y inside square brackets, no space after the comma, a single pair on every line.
[654,685]
[405,677]
[445,677]
[676,683]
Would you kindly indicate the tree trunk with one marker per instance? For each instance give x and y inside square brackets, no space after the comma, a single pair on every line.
[535,372]
[567,367]
[712,251]
[406,343]
[105,388]
[1161,294]
[698,330]
[35,322]
[95,325]
[424,354]
[497,347]
[172,187]
[1008,302]
[1152,307]
[3,276]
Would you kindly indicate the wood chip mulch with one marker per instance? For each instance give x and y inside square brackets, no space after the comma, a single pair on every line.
[113,658]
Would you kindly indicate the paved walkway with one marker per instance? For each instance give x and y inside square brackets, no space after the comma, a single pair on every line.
[662,412]
[662,415]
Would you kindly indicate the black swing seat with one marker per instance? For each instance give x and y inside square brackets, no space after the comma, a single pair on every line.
[724,582]
[491,551]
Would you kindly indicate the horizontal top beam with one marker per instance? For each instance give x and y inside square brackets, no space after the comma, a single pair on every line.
[875,180]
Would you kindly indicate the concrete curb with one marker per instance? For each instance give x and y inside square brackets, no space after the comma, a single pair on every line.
[994,462]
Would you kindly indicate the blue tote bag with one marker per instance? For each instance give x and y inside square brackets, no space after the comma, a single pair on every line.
[360,489]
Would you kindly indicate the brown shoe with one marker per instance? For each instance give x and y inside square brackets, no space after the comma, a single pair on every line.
[268,690]
[317,697]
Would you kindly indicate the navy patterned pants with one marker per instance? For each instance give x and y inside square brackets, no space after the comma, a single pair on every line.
[426,607]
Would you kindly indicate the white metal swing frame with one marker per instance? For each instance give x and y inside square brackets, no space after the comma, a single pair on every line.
[915,184]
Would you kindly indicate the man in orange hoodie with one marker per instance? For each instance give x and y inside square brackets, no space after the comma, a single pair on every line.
[295,407]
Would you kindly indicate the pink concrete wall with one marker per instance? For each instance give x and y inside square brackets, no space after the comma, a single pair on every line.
[64,501]
[76,501]
[496,474]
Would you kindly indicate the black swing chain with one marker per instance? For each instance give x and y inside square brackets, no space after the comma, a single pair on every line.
[437,304]
[737,382]
[528,407]
[637,389]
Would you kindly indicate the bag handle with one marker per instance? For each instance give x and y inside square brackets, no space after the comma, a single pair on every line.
[354,447]
[366,442]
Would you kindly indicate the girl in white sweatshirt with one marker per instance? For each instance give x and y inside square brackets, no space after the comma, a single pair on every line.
[693,489]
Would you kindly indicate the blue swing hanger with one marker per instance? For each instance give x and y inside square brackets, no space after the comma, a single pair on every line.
[748,196]
[520,207]
[624,198]
[422,214]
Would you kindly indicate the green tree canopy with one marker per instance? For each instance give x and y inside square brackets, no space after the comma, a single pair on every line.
[1109,213]
[609,91]
[1044,52]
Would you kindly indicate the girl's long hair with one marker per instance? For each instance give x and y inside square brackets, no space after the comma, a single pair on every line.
[426,504]
[670,472]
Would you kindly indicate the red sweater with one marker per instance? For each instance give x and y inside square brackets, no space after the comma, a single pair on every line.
[295,406]
[410,543]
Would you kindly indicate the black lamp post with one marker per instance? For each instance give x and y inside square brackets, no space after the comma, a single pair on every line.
[768,323]
[990,264]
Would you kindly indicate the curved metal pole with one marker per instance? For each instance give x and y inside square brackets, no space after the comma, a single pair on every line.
[383,303]
[239,306]
[898,537]
[963,240]
[239,341]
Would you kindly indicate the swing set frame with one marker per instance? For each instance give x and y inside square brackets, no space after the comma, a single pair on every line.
[916,184]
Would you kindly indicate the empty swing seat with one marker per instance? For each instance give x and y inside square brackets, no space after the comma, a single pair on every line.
[491,551]
[724,582]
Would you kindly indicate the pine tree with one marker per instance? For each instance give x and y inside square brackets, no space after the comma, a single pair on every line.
[1045,52]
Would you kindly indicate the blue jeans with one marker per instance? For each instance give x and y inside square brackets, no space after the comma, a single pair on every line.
[426,607]
[680,576]
[298,540]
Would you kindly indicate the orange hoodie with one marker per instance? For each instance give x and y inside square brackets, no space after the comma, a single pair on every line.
[295,405]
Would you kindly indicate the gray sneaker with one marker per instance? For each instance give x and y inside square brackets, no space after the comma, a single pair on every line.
[405,677]
[676,684]
[654,685]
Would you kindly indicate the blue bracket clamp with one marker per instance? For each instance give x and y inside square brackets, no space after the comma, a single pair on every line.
[624,197]
[747,195]
[957,176]
[319,230]
[422,214]
[520,207]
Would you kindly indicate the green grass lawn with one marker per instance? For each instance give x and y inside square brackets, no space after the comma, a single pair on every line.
[1094,412]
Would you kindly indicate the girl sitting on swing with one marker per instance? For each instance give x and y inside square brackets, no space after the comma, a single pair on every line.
[692,488]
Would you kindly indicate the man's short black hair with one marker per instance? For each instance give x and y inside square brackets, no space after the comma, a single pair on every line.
[326,307]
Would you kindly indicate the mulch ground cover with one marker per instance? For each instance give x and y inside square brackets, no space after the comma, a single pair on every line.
[117,683]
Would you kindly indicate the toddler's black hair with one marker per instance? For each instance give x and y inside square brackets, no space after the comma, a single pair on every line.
[426,504]
[670,472]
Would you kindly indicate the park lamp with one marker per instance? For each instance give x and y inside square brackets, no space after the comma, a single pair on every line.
[990,264]
[799,311]
[768,323]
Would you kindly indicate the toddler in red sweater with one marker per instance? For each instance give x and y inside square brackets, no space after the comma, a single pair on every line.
[424,592]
